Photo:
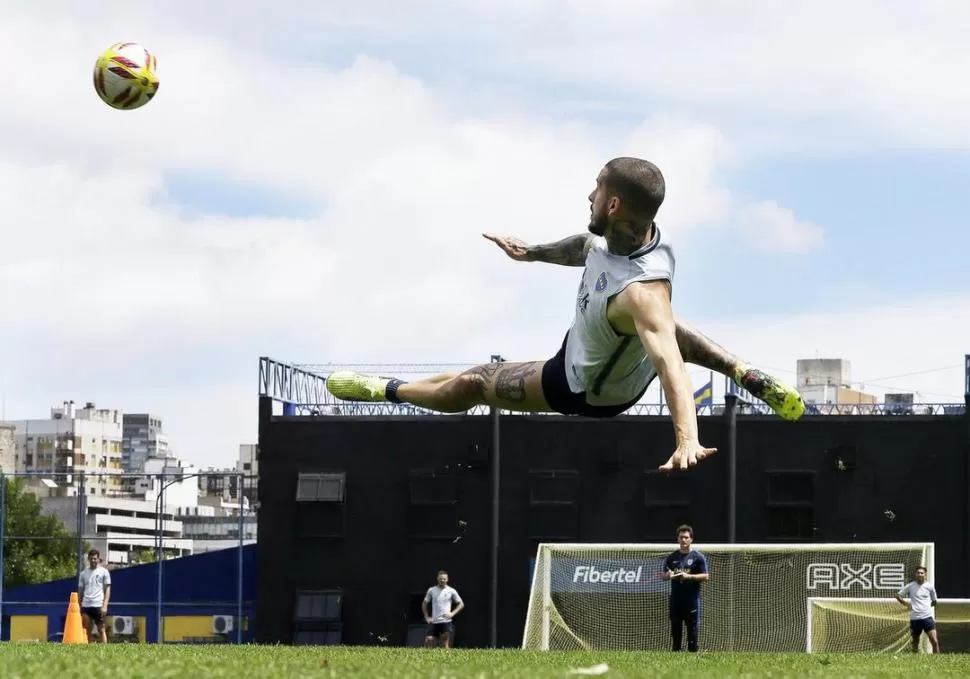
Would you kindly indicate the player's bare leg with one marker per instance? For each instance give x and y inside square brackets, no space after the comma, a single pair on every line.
[934,641]
[87,622]
[700,350]
[512,386]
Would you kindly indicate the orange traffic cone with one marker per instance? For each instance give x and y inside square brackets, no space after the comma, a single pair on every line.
[73,627]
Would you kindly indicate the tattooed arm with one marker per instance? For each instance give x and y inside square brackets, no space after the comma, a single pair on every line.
[569,251]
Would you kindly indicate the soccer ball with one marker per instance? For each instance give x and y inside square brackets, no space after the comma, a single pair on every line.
[124,76]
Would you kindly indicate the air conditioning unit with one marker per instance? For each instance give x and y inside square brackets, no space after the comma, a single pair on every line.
[222,624]
[122,625]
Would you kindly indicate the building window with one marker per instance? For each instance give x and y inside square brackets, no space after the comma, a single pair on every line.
[320,487]
[319,605]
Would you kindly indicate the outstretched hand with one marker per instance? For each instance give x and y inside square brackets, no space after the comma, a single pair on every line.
[687,455]
[515,248]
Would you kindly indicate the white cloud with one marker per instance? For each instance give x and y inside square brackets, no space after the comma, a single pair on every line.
[806,74]
[110,294]
[690,156]
[869,69]
[773,228]
[696,154]
[893,346]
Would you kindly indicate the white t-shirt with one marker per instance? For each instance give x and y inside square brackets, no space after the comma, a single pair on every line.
[441,599]
[92,583]
[920,599]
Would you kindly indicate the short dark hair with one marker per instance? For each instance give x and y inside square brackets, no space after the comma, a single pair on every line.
[921,568]
[684,528]
[638,183]
[94,552]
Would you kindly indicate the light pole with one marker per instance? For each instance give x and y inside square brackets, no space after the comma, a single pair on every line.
[496,468]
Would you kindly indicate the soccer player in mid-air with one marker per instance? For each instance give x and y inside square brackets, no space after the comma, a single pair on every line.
[623,336]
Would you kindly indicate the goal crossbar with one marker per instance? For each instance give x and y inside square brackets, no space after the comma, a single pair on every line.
[577,547]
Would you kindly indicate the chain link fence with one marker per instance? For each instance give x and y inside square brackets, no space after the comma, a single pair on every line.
[178,546]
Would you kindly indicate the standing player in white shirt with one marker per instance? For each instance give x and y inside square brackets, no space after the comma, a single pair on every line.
[922,599]
[440,624]
[94,589]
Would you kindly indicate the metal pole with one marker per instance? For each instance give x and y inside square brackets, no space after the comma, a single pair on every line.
[731,412]
[159,558]
[494,539]
[3,532]
[239,584]
[80,523]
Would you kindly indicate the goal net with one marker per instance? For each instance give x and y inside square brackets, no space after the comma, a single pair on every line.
[876,625]
[612,597]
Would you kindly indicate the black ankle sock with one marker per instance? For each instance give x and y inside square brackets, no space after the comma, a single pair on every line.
[390,391]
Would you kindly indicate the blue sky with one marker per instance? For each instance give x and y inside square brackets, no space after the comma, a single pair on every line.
[312,181]
[208,192]
[894,226]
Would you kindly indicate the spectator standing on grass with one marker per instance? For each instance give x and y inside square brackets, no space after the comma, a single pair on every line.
[440,619]
[686,569]
[94,589]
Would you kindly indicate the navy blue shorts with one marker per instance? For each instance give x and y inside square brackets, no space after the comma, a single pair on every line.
[917,627]
[555,388]
[97,617]
[436,629]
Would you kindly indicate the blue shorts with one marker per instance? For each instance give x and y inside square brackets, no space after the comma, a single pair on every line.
[436,629]
[917,627]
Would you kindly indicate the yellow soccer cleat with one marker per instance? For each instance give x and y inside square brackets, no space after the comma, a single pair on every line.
[351,386]
[783,399]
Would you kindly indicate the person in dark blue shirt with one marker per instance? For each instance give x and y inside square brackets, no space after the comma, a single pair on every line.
[686,569]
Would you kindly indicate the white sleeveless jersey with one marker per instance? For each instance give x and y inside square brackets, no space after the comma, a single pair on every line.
[612,369]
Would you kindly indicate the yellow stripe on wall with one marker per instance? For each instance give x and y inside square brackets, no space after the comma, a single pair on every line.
[180,627]
[28,628]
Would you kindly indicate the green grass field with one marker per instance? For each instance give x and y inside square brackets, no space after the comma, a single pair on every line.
[23,661]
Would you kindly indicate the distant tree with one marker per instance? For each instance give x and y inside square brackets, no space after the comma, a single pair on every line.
[36,547]
[142,556]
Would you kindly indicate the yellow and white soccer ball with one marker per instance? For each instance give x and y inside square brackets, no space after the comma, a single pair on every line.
[124,76]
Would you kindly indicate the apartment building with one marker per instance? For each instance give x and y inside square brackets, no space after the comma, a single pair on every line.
[8,446]
[74,446]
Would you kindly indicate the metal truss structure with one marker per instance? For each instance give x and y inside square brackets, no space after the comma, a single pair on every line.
[290,384]
[301,388]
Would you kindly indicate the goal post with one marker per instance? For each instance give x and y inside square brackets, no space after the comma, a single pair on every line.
[881,625]
[588,596]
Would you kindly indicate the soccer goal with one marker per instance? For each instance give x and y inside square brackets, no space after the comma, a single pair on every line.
[612,597]
[877,625]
